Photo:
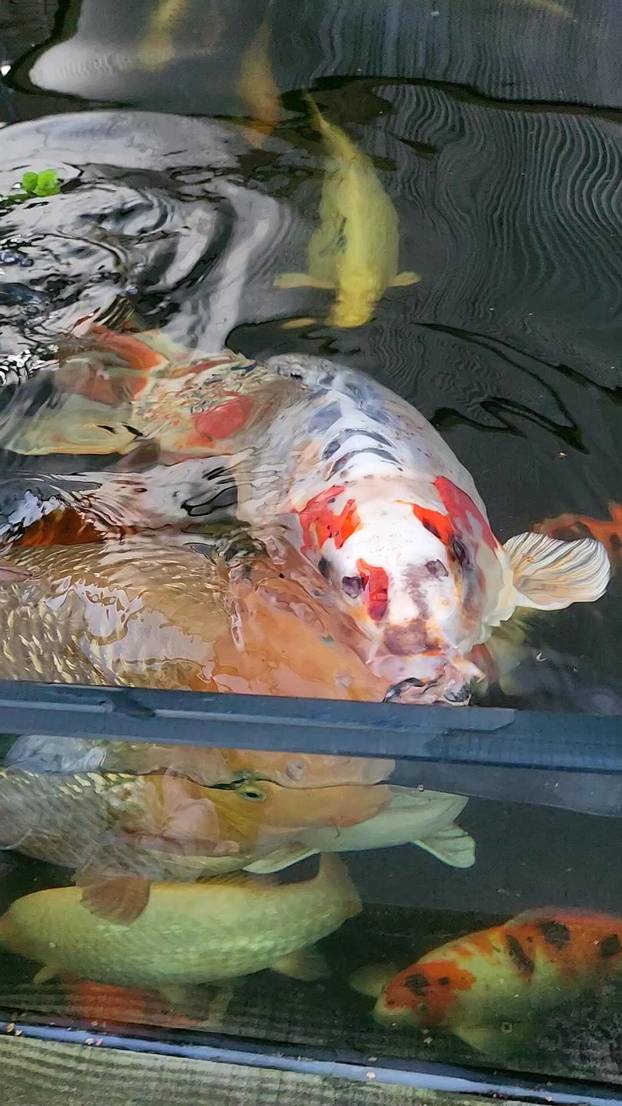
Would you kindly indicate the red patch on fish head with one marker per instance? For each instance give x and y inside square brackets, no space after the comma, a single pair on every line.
[320,522]
[375,583]
[429,991]
[224,420]
[463,512]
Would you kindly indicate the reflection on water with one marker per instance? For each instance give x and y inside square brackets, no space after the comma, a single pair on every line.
[195,495]
[173,887]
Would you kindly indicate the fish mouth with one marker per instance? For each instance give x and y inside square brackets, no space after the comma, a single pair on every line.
[412,690]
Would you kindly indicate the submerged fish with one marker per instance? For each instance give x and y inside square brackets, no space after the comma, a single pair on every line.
[186,620]
[161,826]
[355,250]
[494,988]
[210,766]
[423,818]
[188,933]
[608,531]
[257,88]
[323,460]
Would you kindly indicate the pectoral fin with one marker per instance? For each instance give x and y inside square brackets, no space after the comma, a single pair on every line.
[550,574]
[44,975]
[405,278]
[76,425]
[453,845]
[280,858]
[301,280]
[371,979]
[120,899]
[307,964]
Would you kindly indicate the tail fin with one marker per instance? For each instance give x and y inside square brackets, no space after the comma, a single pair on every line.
[550,574]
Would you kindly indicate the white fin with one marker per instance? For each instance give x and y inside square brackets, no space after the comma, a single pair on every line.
[372,979]
[551,574]
[307,964]
[279,859]
[45,974]
[452,845]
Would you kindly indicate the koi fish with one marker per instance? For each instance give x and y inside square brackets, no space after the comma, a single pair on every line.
[157,47]
[355,249]
[209,766]
[324,461]
[224,928]
[160,826]
[257,88]
[608,531]
[493,988]
[423,818]
[187,620]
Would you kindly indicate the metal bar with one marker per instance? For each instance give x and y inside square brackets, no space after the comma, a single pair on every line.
[304,1060]
[468,735]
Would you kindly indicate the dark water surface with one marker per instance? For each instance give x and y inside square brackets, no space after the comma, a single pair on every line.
[495,128]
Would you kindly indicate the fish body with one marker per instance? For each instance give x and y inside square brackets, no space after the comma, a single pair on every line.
[322,460]
[424,818]
[188,933]
[499,982]
[162,826]
[83,614]
[355,249]
[210,766]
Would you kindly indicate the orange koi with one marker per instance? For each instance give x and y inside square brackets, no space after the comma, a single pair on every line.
[491,987]
[608,531]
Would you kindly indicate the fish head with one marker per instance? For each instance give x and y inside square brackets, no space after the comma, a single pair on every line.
[413,583]
[425,994]
[356,302]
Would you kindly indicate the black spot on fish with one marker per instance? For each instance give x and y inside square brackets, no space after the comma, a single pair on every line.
[226,497]
[555,933]
[110,429]
[615,544]
[437,569]
[324,418]
[346,434]
[375,451]
[609,946]
[352,586]
[444,981]
[518,956]
[133,430]
[417,983]
[324,567]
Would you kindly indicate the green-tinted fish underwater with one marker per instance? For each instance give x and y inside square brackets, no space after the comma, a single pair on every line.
[495,988]
[355,250]
[227,927]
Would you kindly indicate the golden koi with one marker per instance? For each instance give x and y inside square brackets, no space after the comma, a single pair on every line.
[257,88]
[227,927]
[355,249]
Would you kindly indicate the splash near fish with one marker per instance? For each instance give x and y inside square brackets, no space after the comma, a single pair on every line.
[494,988]
[354,251]
[187,934]
[324,463]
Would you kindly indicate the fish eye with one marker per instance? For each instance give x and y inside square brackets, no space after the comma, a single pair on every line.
[352,586]
[252,792]
[458,549]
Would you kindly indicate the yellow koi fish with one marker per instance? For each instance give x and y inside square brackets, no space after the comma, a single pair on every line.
[355,249]
[227,927]
[257,88]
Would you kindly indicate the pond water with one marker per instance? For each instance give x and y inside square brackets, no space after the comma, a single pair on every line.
[191,174]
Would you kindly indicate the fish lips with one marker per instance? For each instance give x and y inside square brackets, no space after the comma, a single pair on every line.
[451,686]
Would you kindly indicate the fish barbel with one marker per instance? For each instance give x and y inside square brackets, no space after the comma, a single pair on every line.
[508,975]
[322,459]
[188,933]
